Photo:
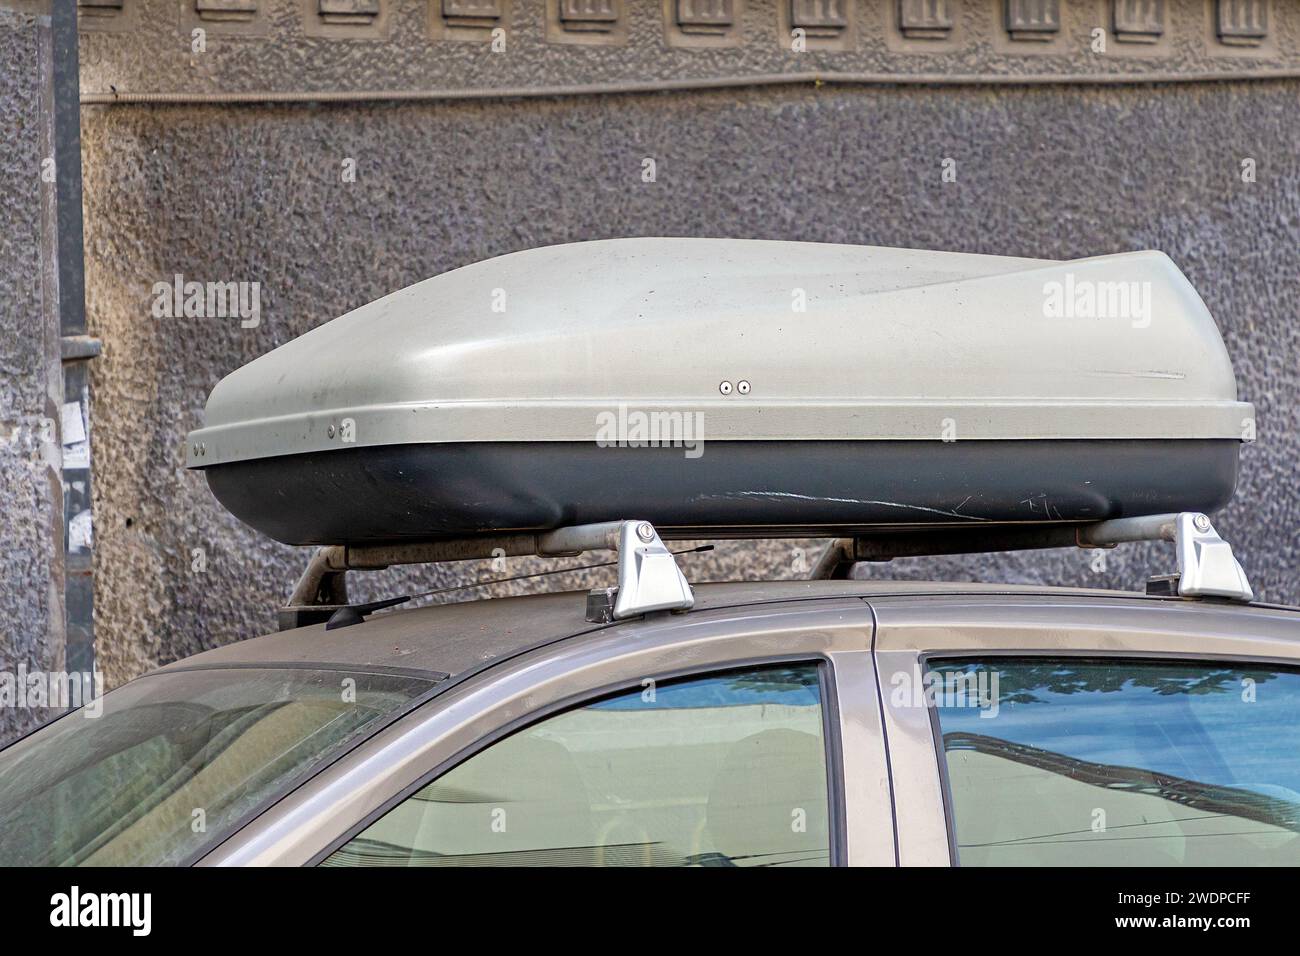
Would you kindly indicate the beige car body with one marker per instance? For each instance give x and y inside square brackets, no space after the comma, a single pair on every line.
[509,662]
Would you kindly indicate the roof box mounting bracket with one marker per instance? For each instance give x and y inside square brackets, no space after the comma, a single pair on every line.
[648,576]
[1206,564]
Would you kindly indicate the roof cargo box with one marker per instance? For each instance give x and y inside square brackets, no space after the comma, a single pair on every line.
[735,386]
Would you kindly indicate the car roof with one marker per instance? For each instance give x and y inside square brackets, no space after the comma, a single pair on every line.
[443,640]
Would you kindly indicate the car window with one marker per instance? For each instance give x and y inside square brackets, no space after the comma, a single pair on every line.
[727,769]
[162,765]
[1118,762]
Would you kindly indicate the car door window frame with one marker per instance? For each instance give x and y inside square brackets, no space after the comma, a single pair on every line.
[912,630]
[983,656]
[831,743]
[331,808]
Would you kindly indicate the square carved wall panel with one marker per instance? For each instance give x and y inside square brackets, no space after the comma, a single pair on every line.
[100,8]
[107,16]
[1241,22]
[821,18]
[925,19]
[703,23]
[226,17]
[357,13]
[343,19]
[821,24]
[468,20]
[591,22]
[1036,21]
[225,11]
[1137,21]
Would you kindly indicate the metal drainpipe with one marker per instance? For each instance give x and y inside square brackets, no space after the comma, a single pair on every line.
[76,346]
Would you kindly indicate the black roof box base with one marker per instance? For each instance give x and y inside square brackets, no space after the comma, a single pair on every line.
[424,491]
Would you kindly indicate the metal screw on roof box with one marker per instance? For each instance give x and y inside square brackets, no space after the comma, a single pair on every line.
[725,388]
[742,387]
[329,432]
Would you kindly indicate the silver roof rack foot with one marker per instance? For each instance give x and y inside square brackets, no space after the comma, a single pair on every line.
[648,577]
[1206,564]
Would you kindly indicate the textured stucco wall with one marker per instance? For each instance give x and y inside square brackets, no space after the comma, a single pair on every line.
[31,533]
[255,193]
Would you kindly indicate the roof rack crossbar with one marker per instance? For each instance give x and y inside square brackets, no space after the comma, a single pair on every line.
[648,576]
[1206,565]
[649,579]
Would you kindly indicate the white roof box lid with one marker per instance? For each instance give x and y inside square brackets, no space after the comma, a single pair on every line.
[748,341]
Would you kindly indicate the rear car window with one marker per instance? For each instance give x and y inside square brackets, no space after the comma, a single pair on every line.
[1120,762]
[165,764]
